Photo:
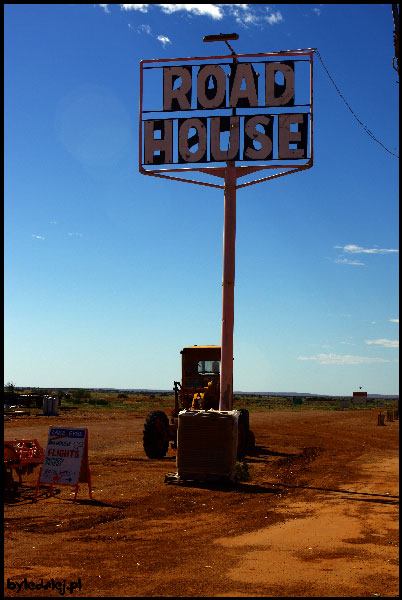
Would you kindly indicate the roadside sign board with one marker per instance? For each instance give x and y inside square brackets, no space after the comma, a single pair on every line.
[66,458]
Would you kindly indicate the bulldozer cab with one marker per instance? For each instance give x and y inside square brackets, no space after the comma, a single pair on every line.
[199,387]
[200,365]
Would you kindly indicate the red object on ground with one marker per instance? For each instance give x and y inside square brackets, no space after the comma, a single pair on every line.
[23,456]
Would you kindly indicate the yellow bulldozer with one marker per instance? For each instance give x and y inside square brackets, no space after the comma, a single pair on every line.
[198,390]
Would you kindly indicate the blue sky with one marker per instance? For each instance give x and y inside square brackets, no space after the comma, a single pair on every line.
[108,273]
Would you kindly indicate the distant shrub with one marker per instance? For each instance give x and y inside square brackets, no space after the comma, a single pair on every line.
[98,402]
[81,394]
[121,395]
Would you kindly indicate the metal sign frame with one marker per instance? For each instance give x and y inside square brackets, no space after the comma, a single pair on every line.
[219,172]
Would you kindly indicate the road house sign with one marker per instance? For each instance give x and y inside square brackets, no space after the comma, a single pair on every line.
[198,113]
[229,117]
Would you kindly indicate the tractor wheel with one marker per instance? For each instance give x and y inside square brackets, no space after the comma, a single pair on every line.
[243,433]
[156,434]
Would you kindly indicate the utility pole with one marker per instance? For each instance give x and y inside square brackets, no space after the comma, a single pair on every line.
[395,14]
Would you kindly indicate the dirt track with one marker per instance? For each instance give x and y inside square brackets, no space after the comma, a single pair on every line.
[318,518]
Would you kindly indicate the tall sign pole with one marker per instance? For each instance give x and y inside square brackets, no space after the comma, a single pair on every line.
[229,252]
[228,281]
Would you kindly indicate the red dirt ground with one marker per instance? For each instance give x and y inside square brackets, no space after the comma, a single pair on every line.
[319,516]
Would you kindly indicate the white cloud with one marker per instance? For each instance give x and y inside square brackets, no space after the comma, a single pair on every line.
[384,342]
[147,29]
[317,11]
[38,237]
[345,359]
[143,29]
[353,249]
[347,261]
[75,234]
[163,39]
[243,14]
[274,18]
[140,7]
[211,10]
[394,320]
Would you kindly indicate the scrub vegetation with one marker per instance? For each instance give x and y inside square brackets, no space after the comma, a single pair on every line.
[146,401]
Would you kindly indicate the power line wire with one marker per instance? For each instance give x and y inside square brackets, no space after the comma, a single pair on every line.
[366,129]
